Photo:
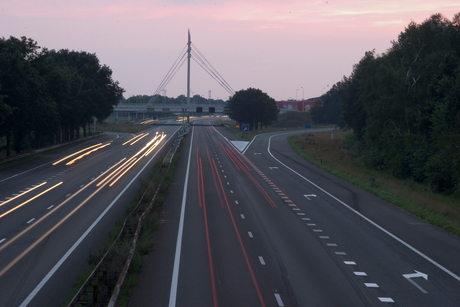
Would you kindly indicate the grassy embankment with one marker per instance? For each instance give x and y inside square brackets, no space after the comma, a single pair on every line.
[333,156]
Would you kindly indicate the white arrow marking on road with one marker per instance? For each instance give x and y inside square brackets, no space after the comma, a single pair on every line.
[273,167]
[309,195]
[414,275]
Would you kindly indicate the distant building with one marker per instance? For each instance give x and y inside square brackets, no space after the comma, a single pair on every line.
[297,105]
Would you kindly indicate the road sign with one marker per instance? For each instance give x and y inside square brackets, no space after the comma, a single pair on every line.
[307,126]
[245,127]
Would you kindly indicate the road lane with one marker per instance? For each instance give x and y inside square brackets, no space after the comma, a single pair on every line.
[305,248]
[73,206]
[355,238]
[249,242]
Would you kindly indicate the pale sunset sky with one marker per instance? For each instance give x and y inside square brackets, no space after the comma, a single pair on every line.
[286,48]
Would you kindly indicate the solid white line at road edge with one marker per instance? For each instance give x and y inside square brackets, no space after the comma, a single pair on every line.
[32,294]
[175,276]
[365,218]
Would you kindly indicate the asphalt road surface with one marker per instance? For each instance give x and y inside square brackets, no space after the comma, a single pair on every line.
[265,228]
[56,210]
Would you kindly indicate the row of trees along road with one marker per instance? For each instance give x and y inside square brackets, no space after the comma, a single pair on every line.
[46,96]
[253,107]
[404,105]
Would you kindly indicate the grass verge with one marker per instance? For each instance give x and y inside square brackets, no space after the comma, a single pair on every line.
[332,156]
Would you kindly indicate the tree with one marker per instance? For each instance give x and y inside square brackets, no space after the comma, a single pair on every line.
[252,106]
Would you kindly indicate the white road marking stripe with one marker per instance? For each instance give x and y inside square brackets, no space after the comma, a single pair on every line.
[296,209]
[386,300]
[2,240]
[50,207]
[231,191]
[349,262]
[340,253]
[261,259]
[299,213]
[371,285]
[228,183]
[306,218]
[360,273]
[279,300]
[82,186]
[31,220]
[68,195]
[323,237]
[242,216]
[317,230]
[236,202]
[250,234]
[331,244]
[311,224]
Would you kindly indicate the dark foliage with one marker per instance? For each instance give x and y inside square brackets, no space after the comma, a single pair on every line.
[46,96]
[404,105]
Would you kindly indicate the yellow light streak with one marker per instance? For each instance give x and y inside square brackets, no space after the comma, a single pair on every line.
[87,153]
[28,201]
[147,146]
[18,258]
[147,121]
[76,153]
[27,250]
[19,195]
[132,139]
[139,139]
[155,145]
[126,170]
[115,172]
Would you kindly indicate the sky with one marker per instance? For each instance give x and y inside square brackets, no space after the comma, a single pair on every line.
[289,49]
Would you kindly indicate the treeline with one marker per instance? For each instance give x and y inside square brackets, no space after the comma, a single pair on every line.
[404,105]
[196,99]
[48,96]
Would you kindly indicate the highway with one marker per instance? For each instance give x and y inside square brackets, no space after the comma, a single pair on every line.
[56,210]
[266,228]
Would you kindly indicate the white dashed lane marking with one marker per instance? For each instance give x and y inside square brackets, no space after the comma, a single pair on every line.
[279,300]
[360,273]
[262,261]
[31,220]
[250,234]
[371,285]
[236,202]
[50,207]
[349,262]
[242,216]
[386,300]
[2,240]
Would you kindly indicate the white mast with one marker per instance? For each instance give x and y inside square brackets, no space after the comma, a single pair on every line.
[188,69]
